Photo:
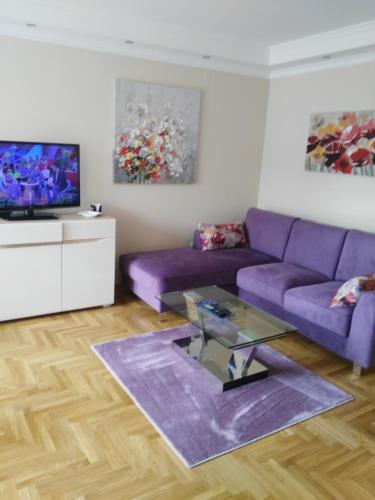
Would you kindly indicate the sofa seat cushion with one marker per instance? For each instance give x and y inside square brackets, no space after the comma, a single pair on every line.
[181,268]
[271,281]
[313,304]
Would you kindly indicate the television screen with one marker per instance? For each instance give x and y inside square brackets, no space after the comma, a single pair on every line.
[37,175]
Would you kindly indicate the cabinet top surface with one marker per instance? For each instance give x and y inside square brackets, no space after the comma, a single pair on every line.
[69,217]
[61,218]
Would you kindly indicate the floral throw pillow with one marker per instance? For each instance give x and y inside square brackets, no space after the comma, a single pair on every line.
[218,236]
[348,294]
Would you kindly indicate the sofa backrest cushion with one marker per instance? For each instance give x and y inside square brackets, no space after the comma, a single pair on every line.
[268,231]
[197,242]
[315,246]
[358,255]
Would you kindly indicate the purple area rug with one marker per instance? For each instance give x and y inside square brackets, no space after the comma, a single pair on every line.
[185,403]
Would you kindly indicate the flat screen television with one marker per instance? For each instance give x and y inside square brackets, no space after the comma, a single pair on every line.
[37,175]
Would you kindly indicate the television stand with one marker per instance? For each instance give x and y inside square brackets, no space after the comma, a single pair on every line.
[27,215]
[53,266]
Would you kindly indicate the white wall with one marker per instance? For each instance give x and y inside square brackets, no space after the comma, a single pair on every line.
[51,93]
[285,186]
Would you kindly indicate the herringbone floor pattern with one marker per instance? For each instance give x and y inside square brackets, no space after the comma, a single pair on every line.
[68,431]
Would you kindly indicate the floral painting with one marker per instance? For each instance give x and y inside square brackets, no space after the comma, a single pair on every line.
[342,143]
[156,133]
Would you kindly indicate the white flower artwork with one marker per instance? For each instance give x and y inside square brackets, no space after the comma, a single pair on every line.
[156,133]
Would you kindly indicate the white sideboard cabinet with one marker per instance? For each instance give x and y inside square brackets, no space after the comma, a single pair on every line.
[56,265]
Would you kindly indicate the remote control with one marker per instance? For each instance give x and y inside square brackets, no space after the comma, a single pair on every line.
[214,308]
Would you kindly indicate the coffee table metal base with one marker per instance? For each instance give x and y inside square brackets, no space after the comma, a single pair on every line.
[232,367]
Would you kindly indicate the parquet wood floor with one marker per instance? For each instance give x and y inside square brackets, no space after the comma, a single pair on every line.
[68,431]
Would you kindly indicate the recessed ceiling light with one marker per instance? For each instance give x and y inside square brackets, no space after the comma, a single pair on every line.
[206,56]
[129,42]
[31,25]
[327,56]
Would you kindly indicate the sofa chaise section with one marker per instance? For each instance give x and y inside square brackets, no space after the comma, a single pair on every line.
[148,274]
[151,273]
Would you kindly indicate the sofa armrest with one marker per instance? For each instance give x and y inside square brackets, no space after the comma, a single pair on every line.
[361,341]
[197,244]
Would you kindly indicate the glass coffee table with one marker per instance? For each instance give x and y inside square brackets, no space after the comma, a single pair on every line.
[228,332]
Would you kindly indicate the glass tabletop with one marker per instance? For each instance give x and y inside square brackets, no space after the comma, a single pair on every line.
[226,318]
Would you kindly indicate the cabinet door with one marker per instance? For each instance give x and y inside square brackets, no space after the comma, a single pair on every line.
[88,273]
[30,281]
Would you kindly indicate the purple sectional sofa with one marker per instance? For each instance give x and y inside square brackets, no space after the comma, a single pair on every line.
[292,269]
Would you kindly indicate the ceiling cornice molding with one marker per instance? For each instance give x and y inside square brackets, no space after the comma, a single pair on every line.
[138,50]
[99,25]
[312,67]
[331,42]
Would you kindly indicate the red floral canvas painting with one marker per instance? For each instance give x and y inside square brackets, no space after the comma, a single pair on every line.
[342,143]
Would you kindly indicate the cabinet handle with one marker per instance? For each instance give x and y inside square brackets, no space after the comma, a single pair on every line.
[89,240]
[42,244]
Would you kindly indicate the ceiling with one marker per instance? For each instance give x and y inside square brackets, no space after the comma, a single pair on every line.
[261,37]
[267,21]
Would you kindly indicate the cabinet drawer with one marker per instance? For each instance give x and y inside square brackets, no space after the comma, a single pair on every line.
[88,229]
[30,233]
